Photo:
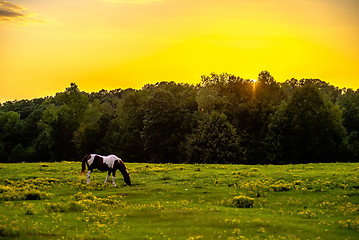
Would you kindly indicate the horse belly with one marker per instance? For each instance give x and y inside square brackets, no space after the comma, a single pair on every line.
[103,167]
[99,163]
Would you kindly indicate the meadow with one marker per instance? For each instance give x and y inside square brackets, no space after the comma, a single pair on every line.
[181,201]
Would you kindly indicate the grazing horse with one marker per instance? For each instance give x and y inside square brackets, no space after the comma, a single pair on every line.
[109,163]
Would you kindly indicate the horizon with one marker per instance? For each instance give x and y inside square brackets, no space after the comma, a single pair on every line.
[112,44]
[140,88]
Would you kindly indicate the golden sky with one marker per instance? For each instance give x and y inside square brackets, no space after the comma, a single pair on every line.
[107,44]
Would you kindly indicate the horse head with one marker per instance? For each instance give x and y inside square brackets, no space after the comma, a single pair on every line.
[126,177]
[125,174]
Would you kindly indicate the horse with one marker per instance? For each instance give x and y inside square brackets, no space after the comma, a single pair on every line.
[108,163]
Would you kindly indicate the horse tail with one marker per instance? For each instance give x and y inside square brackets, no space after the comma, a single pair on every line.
[84,160]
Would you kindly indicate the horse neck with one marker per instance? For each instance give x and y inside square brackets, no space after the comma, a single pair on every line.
[120,166]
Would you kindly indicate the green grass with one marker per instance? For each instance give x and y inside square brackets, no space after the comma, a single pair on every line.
[170,201]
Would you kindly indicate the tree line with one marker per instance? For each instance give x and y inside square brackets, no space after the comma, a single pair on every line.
[223,119]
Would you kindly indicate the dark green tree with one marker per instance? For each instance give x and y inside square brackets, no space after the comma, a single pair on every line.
[214,141]
[167,119]
[161,124]
[92,130]
[325,88]
[351,147]
[3,153]
[124,133]
[349,103]
[305,129]
[60,122]
[10,132]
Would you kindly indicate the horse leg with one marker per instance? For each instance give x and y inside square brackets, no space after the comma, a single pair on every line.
[108,175]
[113,178]
[88,176]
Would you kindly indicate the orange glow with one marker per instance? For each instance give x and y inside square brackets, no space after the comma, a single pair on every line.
[108,44]
[254,81]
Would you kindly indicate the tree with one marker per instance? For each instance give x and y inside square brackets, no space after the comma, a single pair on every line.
[295,121]
[213,141]
[62,121]
[352,141]
[160,127]
[349,103]
[3,153]
[307,128]
[325,88]
[10,131]
[124,132]
[266,78]
[217,91]
[251,115]
[92,129]
[167,119]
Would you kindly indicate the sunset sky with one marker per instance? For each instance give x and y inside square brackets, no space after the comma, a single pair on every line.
[106,44]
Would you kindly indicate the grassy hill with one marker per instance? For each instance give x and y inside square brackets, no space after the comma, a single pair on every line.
[181,201]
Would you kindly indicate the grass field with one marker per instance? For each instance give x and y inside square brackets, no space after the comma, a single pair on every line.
[170,201]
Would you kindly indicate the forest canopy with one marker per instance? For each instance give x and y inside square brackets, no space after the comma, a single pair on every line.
[223,119]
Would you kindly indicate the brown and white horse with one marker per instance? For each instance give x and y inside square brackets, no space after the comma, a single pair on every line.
[108,163]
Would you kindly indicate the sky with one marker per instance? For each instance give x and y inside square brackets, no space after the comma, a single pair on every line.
[108,44]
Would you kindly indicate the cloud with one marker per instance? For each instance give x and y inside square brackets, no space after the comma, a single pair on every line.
[10,12]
